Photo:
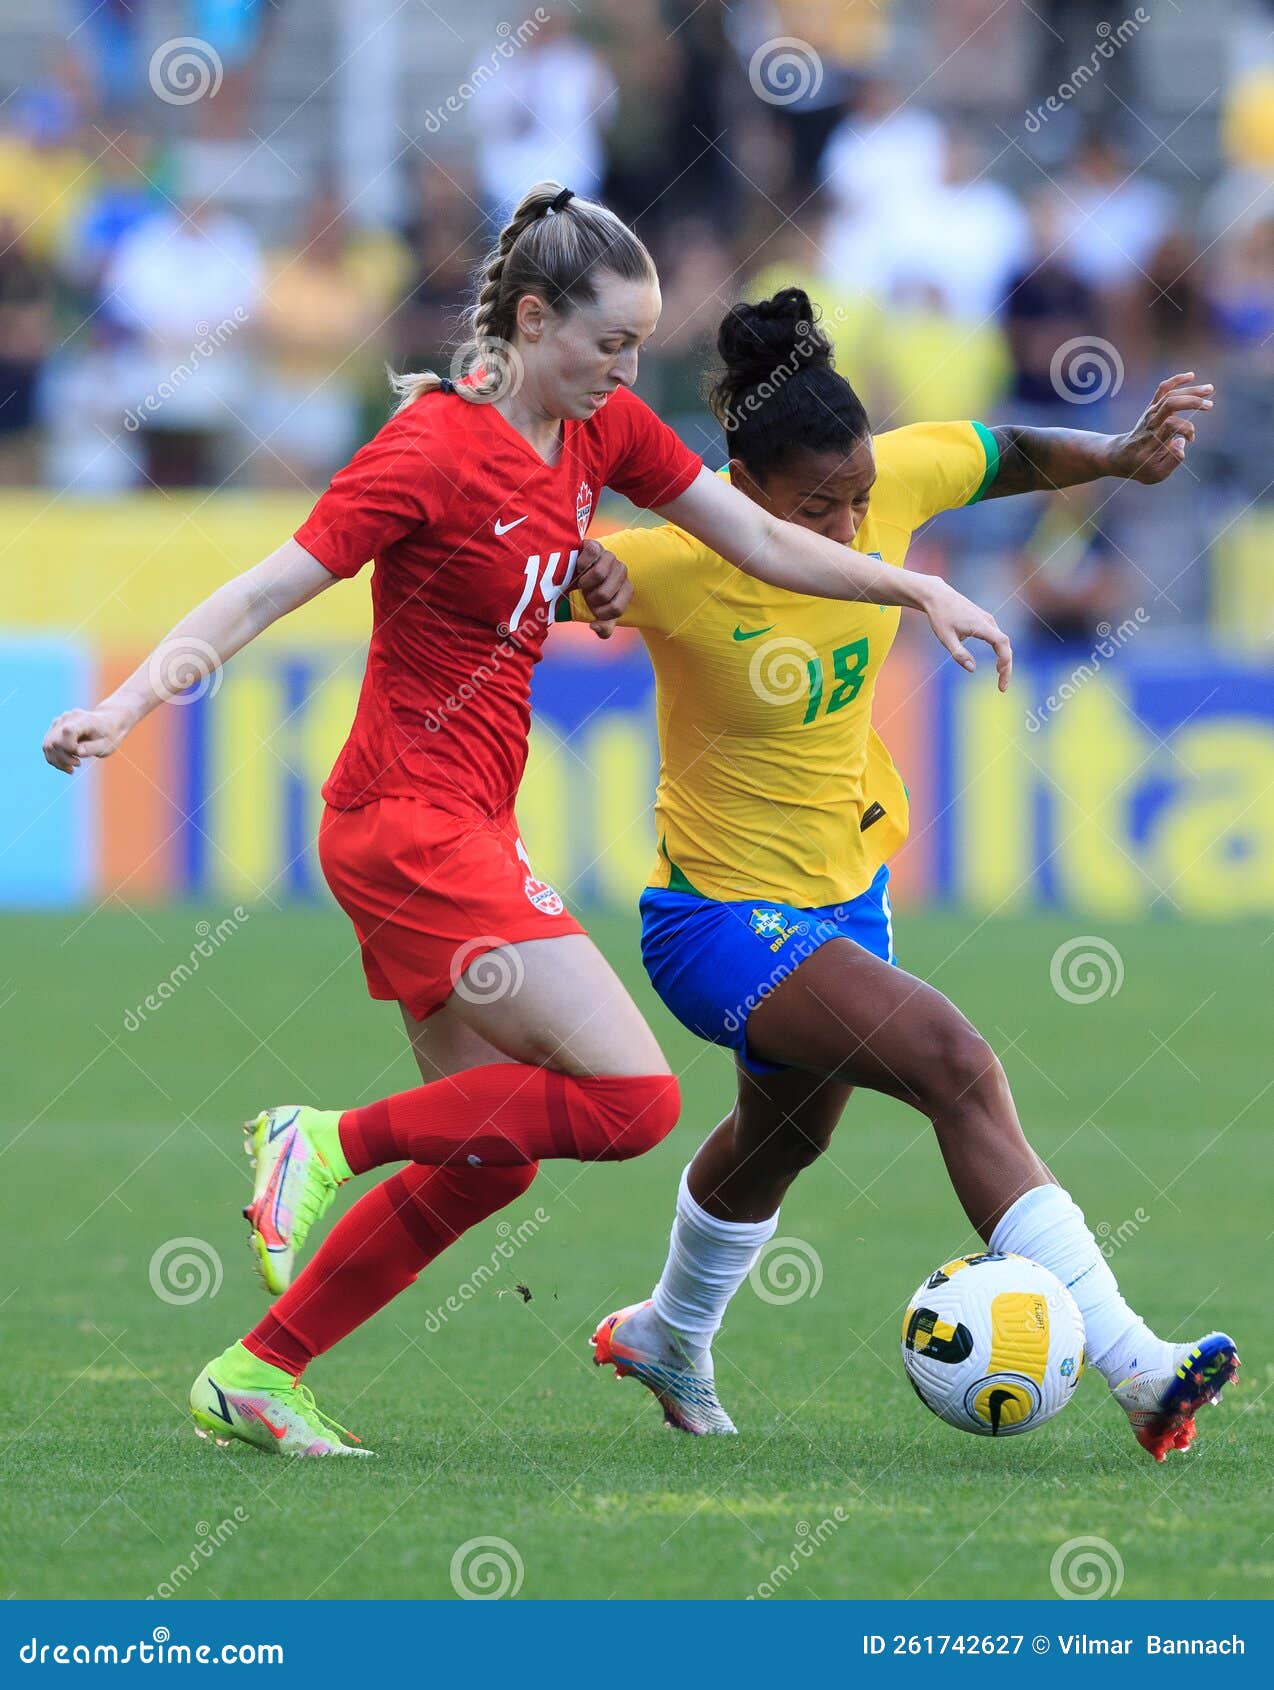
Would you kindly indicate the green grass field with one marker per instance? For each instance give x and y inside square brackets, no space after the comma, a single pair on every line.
[492,1422]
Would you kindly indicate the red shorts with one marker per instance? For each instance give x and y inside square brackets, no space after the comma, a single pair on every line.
[429,892]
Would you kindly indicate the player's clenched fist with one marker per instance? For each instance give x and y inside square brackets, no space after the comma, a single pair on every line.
[77,734]
[602,581]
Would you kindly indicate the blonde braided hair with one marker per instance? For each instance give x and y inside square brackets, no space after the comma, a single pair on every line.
[554,246]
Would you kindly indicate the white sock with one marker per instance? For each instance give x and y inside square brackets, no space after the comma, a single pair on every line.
[1047,1227]
[708,1260]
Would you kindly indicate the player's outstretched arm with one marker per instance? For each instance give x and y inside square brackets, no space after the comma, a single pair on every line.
[224,623]
[787,555]
[1041,460]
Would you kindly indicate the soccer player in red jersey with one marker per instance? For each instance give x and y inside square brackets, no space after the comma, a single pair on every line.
[473,500]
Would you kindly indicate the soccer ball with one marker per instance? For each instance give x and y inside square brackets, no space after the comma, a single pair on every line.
[993,1344]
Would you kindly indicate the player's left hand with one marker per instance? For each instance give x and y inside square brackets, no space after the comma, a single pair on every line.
[603,582]
[1157,445]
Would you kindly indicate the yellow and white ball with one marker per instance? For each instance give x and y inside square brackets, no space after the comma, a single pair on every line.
[993,1344]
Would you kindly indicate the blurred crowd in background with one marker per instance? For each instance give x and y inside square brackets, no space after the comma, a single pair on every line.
[963,199]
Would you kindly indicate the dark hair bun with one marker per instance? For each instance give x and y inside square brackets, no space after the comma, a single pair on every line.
[755,340]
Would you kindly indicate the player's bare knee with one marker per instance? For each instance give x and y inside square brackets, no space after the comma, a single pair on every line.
[796,1146]
[968,1072]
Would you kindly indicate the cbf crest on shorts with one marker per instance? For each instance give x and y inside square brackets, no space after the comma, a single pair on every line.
[772,926]
[768,923]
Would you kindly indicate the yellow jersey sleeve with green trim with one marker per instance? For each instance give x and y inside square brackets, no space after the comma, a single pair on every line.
[772,781]
[660,564]
[931,467]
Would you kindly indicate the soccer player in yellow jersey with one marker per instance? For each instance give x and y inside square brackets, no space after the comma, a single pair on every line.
[766,924]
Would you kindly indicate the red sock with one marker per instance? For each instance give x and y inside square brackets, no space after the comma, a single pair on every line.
[509,1113]
[375,1251]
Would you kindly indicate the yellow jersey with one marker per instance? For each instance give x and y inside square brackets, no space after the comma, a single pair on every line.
[772,782]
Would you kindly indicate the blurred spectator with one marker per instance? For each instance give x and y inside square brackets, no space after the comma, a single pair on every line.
[805,60]
[44,173]
[26,290]
[699,284]
[966,239]
[1241,290]
[323,309]
[971,56]
[542,118]
[107,38]
[183,287]
[446,247]
[959,237]
[121,194]
[1115,216]
[1071,574]
[645,61]
[1047,304]
[708,173]
[888,150]
[234,31]
[1176,332]
[931,363]
[1247,136]
[794,256]
[1247,120]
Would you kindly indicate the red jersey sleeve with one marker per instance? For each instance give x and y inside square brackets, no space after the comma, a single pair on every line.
[391,485]
[648,463]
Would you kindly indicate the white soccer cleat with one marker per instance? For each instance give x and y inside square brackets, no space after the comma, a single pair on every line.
[1162,1400]
[638,1345]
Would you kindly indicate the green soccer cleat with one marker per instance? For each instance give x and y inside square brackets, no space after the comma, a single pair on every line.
[237,1396]
[297,1155]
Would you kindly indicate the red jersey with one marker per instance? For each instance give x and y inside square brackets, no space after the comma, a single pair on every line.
[474,539]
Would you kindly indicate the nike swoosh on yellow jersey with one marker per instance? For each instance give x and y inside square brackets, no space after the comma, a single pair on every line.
[752,633]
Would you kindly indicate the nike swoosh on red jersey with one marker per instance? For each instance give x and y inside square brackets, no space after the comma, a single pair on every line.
[504,527]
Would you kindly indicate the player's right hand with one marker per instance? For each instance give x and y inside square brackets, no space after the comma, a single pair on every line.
[955,619]
[77,734]
[602,582]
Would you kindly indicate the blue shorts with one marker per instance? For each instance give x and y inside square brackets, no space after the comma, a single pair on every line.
[712,963]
